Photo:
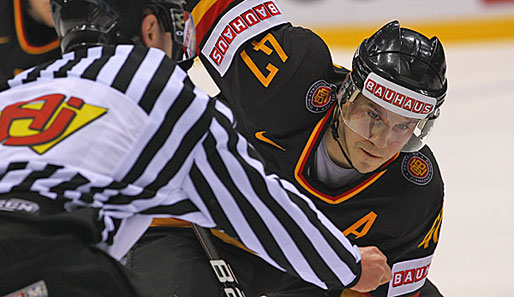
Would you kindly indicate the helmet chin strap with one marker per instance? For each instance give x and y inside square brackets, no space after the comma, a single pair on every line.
[335,126]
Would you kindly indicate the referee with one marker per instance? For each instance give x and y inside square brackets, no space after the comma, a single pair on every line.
[97,143]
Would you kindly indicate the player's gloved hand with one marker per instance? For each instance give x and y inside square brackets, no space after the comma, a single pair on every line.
[375,270]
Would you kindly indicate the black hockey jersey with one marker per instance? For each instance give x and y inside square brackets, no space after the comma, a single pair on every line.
[23,41]
[280,81]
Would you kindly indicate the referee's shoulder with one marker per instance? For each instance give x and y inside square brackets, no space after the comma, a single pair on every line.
[139,53]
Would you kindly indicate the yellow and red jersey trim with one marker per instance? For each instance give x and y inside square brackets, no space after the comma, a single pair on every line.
[22,36]
[204,14]
[309,147]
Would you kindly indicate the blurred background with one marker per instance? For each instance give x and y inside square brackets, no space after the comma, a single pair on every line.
[474,138]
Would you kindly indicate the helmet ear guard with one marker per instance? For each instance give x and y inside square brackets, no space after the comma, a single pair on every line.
[348,91]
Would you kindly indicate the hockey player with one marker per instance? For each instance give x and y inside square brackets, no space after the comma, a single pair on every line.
[96,143]
[27,36]
[352,141]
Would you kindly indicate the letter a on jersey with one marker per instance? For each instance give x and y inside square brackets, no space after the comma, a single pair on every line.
[43,122]
[365,222]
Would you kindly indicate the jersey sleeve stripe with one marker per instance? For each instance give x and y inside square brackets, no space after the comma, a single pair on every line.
[34,177]
[92,189]
[307,204]
[144,74]
[326,244]
[306,242]
[243,185]
[156,85]
[168,131]
[180,208]
[71,184]
[12,166]
[230,219]
[238,182]
[34,74]
[188,140]
[297,237]
[225,110]
[13,178]
[54,67]
[127,72]
[91,55]
[91,72]
[18,79]
[160,109]
[200,192]
[111,226]
[113,66]
[76,58]
[292,240]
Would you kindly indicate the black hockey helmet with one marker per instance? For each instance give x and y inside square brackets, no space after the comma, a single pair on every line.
[86,23]
[406,60]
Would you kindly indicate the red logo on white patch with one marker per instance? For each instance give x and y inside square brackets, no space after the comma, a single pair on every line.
[409,276]
[396,98]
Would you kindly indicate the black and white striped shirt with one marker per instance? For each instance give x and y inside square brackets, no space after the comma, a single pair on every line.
[122,131]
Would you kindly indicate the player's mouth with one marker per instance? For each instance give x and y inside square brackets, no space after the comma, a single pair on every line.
[370,155]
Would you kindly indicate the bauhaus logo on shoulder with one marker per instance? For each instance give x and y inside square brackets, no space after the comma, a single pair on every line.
[241,23]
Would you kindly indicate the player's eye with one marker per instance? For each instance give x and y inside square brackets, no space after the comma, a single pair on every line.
[373,115]
[402,127]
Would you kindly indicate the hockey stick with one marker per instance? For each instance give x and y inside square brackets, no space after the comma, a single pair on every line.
[221,268]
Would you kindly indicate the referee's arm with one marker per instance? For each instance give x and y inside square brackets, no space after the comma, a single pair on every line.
[267,214]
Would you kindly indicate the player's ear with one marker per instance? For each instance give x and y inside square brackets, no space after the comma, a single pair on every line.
[150,30]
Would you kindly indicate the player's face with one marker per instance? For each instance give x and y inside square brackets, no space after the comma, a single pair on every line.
[40,11]
[372,134]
